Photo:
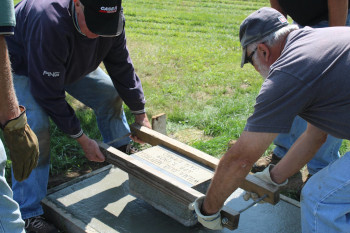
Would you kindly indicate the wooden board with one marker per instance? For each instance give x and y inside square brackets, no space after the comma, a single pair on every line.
[251,183]
[159,123]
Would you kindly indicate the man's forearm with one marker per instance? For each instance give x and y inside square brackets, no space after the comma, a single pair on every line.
[276,5]
[302,151]
[142,119]
[229,174]
[233,167]
[8,100]
[337,12]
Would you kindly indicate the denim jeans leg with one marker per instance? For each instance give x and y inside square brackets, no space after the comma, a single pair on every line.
[284,141]
[97,91]
[10,216]
[328,153]
[325,199]
[31,191]
[325,23]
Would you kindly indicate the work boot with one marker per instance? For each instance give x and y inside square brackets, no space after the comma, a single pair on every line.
[39,224]
[128,149]
[264,162]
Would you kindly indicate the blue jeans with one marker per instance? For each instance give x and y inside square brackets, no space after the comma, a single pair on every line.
[10,216]
[325,199]
[324,23]
[328,153]
[96,90]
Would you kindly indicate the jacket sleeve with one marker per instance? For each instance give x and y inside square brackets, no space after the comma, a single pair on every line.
[121,70]
[47,52]
[7,17]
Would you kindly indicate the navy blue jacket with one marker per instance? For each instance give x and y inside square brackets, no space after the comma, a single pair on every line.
[48,49]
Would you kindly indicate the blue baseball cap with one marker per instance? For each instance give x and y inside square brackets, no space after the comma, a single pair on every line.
[257,25]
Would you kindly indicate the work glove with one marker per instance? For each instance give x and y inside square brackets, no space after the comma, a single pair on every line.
[212,222]
[265,176]
[22,144]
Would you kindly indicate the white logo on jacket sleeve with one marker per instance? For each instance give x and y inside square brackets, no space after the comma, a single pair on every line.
[51,74]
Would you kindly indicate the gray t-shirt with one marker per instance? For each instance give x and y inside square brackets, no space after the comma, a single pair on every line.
[311,79]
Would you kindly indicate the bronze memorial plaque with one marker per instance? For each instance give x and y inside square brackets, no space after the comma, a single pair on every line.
[174,164]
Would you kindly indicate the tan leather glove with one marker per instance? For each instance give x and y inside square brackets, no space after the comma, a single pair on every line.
[22,144]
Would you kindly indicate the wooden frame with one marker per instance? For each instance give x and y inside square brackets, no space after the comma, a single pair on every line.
[173,187]
[250,184]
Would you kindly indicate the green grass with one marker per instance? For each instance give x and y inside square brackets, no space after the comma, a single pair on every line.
[187,54]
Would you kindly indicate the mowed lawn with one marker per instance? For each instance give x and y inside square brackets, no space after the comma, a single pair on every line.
[187,54]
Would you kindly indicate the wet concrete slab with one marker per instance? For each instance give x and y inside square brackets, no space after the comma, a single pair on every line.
[102,203]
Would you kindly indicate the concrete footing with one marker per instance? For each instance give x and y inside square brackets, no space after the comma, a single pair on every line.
[101,202]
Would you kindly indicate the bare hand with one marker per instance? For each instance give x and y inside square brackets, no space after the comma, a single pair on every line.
[91,149]
[142,120]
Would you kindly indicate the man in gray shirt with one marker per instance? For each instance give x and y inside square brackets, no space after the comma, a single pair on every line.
[306,75]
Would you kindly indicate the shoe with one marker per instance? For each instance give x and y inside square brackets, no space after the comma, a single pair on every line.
[39,224]
[264,162]
[128,149]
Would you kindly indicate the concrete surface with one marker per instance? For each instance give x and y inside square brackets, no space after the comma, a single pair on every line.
[102,203]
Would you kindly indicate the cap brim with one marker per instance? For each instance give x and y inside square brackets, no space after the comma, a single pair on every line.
[101,24]
[244,53]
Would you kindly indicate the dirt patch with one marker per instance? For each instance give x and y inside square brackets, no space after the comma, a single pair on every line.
[295,184]
[190,135]
[201,96]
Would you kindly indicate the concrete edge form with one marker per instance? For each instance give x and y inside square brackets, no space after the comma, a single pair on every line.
[290,200]
[63,219]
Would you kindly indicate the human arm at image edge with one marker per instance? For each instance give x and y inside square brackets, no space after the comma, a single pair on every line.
[337,12]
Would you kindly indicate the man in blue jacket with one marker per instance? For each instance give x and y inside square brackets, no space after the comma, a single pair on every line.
[57,48]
